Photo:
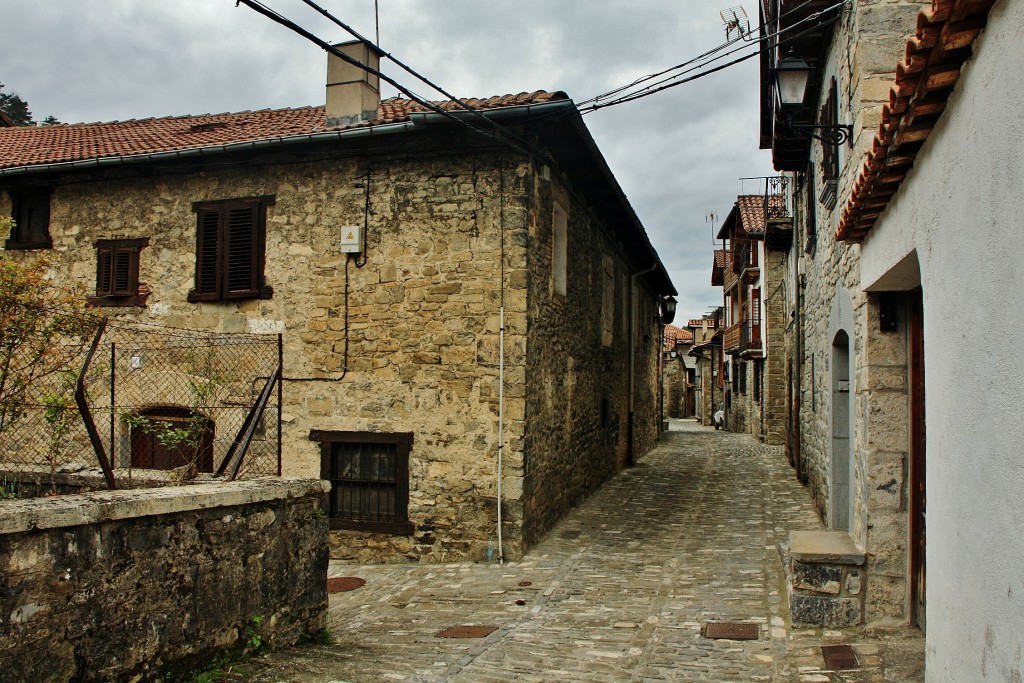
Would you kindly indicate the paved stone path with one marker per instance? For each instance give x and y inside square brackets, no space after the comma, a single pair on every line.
[617,592]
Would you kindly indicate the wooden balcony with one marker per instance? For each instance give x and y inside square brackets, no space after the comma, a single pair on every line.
[743,339]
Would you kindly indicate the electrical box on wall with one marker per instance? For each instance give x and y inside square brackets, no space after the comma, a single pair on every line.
[350,240]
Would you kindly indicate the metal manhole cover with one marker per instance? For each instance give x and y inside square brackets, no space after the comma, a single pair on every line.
[466,631]
[340,584]
[838,657]
[726,630]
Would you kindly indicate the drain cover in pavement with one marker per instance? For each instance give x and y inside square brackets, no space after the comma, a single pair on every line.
[730,630]
[571,534]
[838,657]
[466,631]
[340,584]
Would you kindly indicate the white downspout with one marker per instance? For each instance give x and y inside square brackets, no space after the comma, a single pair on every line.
[501,418]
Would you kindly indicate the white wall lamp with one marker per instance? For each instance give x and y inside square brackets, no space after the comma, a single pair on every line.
[792,75]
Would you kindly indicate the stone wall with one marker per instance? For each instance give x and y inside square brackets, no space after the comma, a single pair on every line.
[577,378]
[773,381]
[867,43]
[674,387]
[117,584]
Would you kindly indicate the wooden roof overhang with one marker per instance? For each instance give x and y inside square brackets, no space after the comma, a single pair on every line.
[808,36]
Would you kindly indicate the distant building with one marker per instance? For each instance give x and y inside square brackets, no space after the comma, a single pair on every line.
[753,338]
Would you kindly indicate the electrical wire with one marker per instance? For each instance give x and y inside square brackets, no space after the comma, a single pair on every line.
[675,80]
[503,135]
[688,62]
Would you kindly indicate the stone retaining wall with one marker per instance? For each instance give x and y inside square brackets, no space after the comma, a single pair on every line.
[120,584]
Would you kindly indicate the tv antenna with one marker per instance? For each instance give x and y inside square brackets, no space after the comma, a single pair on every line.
[736,21]
[711,216]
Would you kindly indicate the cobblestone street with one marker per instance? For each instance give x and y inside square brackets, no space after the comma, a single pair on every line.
[618,591]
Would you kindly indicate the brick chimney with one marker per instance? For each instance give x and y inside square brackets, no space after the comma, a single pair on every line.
[352,94]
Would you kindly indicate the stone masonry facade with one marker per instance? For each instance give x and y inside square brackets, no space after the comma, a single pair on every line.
[406,338]
[867,41]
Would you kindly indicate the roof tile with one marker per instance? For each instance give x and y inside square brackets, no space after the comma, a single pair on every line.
[923,83]
[39,145]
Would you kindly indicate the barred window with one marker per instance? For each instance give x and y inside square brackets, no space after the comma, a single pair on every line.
[230,249]
[117,273]
[31,215]
[369,475]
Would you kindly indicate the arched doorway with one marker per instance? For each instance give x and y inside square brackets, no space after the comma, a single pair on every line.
[842,478]
[166,437]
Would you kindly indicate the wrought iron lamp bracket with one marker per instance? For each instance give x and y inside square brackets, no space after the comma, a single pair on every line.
[835,135]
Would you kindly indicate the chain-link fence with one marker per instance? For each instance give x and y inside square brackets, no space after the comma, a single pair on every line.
[154,405]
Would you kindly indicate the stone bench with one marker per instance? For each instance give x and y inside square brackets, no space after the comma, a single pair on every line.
[824,578]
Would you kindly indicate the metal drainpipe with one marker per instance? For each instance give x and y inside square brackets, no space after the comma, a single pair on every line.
[632,361]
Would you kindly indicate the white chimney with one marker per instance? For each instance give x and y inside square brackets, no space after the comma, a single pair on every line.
[353,94]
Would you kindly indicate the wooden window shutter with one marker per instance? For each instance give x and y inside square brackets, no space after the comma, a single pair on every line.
[829,152]
[117,272]
[31,214]
[104,260]
[242,257]
[207,259]
[230,245]
[121,271]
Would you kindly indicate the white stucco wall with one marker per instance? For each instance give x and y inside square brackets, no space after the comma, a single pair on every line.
[962,210]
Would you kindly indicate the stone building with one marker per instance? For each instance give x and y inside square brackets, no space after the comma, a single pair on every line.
[706,352]
[753,337]
[678,373]
[468,303]
[897,233]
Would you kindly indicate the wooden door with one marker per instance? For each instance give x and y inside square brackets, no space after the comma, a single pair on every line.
[149,452]
[917,461]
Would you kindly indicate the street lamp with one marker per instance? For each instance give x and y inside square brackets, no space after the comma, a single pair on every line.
[667,307]
[792,75]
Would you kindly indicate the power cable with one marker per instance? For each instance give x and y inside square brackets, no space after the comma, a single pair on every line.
[672,82]
[276,17]
[675,80]
[687,62]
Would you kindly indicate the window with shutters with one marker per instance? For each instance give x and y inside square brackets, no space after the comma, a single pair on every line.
[829,116]
[369,475]
[117,273]
[31,216]
[230,249]
[810,212]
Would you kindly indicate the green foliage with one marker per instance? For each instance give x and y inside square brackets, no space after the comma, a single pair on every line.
[15,107]
[43,331]
[254,641]
[18,111]
[321,637]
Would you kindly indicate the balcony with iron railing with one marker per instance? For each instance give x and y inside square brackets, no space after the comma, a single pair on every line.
[778,213]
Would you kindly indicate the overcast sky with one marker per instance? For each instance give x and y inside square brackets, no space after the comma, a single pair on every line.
[678,154]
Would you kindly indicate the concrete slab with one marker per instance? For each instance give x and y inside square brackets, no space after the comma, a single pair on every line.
[824,547]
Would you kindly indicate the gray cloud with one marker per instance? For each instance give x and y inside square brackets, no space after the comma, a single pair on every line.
[676,154]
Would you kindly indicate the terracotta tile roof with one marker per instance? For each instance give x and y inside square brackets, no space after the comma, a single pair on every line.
[719,267]
[751,213]
[924,80]
[676,335]
[37,145]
